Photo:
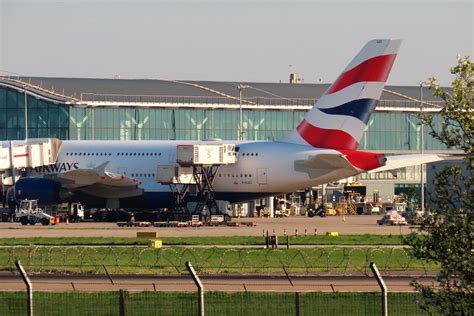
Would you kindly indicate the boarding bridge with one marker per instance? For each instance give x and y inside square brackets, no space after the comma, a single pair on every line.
[196,167]
[24,154]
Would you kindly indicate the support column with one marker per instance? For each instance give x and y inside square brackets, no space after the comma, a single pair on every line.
[12,166]
[251,208]
[271,206]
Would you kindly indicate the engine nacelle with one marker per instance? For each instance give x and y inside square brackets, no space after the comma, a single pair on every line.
[44,190]
[10,198]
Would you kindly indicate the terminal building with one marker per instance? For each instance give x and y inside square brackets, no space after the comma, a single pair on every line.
[123,109]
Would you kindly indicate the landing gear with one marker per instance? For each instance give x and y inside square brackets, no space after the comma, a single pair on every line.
[204,176]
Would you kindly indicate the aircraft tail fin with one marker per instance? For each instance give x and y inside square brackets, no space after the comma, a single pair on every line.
[339,118]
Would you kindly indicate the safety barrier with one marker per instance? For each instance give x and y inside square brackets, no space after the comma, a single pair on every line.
[210,303]
[171,260]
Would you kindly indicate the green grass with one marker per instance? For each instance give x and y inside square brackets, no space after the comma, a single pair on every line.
[124,260]
[220,240]
[216,303]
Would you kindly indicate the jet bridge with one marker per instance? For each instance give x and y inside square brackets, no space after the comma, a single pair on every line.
[30,153]
[196,167]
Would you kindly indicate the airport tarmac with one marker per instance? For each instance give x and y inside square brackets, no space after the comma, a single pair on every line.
[347,225]
[274,283]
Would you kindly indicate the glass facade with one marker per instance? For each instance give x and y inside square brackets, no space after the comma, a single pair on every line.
[45,119]
[390,131]
[397,131]
[179,123]
[411,173]
[411,191]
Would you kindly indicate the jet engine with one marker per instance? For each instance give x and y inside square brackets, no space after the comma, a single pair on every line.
[46,191]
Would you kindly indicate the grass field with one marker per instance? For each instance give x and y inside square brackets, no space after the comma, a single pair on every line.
[123,260]
[232,240]
[216,303]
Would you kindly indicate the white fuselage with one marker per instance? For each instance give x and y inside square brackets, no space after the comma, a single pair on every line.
[261,166]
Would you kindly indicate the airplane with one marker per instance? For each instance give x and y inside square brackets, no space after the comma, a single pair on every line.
[323,148]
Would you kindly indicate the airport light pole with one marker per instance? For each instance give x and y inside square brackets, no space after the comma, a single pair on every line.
[422,189]
[241,130]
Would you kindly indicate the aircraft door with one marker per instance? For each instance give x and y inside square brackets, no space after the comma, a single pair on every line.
[261,175]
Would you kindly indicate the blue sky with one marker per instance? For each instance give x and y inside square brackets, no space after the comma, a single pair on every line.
[228,40]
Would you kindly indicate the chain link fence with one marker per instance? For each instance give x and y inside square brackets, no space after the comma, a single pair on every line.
[142,260]
[216,303]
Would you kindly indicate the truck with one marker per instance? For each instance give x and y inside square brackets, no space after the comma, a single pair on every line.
[76,212]
[29,213]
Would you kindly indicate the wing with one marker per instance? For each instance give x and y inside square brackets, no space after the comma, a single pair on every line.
[401,161]
[326,166]
[326,162]
[85,177]
[99,182]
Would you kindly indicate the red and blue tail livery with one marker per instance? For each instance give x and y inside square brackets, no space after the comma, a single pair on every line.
[340,116]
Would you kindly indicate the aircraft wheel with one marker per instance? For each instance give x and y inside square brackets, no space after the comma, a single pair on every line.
[24,220]
[32,222]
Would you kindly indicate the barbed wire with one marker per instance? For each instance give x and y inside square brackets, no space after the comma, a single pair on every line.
[142,260]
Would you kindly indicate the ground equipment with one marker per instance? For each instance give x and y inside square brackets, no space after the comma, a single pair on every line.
[29,213]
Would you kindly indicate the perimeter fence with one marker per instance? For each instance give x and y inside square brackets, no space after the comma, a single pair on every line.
[143,260]
[216,303]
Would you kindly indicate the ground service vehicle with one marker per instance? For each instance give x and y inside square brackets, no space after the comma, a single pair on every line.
[76,212]
[322,210]
[29,213]
[392,218]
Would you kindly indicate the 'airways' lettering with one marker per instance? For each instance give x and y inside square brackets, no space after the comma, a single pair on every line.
[56,168]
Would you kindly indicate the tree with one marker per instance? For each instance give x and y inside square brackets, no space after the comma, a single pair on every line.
[446,230]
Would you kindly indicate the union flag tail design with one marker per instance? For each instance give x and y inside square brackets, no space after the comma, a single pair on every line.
[339,118]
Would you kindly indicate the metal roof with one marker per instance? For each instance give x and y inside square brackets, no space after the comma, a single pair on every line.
[75,87]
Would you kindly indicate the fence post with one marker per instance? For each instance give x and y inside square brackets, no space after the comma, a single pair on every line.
[121,302]
[29,287]
[198,283]
[297,303]
[108,275]
[287,275]
[383,287]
